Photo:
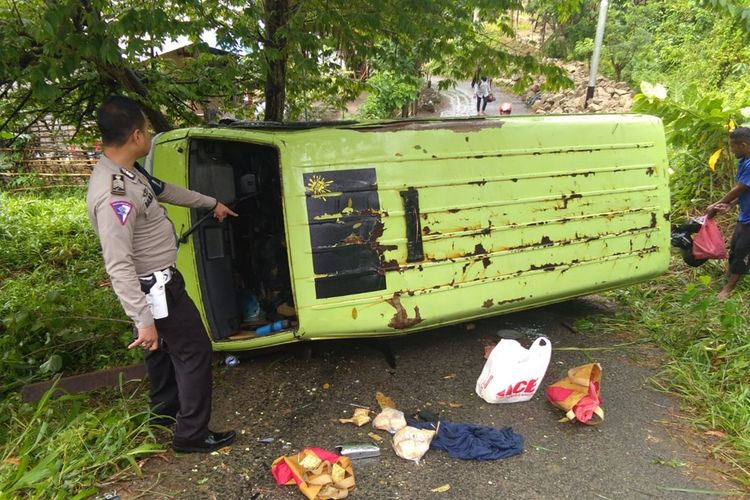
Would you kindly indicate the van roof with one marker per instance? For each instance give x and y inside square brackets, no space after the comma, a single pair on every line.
[458,124]
[454,123]
[394,123]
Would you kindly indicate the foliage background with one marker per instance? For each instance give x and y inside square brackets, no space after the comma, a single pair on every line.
[699,51]
[57,312]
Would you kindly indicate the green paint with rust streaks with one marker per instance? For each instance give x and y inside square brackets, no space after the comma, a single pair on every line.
[514,213]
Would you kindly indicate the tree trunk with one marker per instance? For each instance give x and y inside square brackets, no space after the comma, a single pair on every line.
[618,67]
[276,19]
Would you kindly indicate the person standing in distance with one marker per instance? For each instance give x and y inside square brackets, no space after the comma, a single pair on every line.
[739,248]
[482,93]
[139,247]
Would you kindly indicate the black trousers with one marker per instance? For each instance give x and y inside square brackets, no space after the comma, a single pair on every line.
[483,102]
[739,249]
[180,370]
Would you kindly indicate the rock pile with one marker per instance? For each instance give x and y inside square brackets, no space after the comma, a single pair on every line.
[609,96]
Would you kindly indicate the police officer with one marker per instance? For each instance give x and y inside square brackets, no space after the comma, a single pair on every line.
[139,247]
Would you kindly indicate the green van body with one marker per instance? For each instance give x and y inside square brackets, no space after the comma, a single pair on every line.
[396,227]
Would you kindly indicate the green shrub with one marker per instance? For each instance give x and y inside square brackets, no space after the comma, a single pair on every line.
[697,126]
[57,312]
[583,49]
[389,92]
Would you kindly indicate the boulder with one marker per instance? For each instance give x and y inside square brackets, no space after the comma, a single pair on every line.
[609,96]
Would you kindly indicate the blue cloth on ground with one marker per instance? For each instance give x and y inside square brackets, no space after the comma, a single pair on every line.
[473,442]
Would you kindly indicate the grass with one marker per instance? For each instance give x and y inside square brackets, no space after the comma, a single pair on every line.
[57,312]
[58,315]
[707,351]
[64,447]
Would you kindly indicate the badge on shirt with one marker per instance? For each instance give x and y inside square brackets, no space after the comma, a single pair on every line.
[127,172]
[122,210]
[118,185]
[148,197]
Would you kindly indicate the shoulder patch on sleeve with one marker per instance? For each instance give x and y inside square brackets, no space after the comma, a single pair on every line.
[122,210]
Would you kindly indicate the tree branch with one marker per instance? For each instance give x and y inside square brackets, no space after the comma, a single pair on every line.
[17,110]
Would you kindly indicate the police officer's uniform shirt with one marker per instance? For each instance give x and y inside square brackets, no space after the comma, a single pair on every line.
[136,236]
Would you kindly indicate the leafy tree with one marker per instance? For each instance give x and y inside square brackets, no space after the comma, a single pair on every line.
[626,33]
[739,10]
[315,44]
[677,42]
[61,59]
[570,21]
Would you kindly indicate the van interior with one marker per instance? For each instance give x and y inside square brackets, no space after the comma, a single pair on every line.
[243,264]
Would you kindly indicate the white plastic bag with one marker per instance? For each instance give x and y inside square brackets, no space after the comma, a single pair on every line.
[390,419]
[513,373]
[412,443]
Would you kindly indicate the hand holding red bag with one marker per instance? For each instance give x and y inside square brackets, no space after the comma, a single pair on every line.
[708,242]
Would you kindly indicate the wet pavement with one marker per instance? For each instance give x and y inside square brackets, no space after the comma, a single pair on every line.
[283,401]
[461,102]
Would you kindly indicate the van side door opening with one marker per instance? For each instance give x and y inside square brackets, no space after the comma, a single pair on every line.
[242,263]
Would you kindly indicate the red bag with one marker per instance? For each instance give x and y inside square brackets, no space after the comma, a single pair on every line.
[708,242]
[577,394]
[319,474]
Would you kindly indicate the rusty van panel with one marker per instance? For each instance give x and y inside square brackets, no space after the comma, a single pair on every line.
[401,226]
[454,221]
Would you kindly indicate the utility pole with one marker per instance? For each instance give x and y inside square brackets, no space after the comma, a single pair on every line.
[597,50]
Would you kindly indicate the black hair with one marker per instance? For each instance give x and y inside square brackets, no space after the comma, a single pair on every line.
[740,134]
[484,78]
[117,117]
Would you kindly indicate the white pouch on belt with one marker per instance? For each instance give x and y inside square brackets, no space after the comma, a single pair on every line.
[157,296]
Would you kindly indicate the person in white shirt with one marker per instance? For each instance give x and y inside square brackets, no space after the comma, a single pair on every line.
[482,93]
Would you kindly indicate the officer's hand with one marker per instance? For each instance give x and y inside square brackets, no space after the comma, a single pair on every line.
[147,338]
[221,211]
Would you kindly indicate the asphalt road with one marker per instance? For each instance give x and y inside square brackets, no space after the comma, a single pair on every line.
[279,403]
[461,102]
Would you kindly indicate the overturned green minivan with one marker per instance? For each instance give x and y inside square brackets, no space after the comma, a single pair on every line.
[373,229]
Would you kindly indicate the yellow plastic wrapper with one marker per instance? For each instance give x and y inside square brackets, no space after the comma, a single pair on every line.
[361,417]
[319,474]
